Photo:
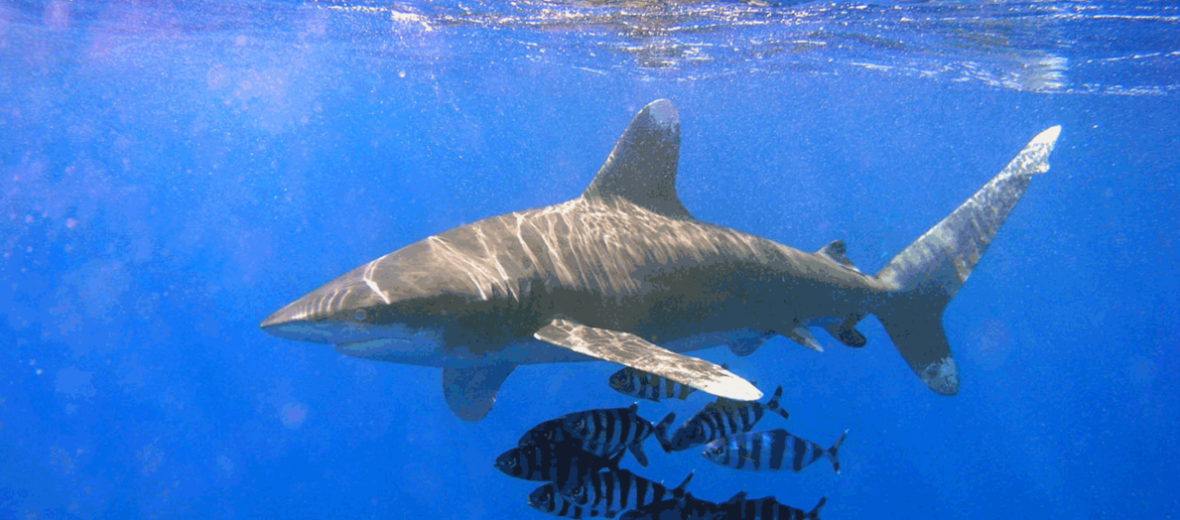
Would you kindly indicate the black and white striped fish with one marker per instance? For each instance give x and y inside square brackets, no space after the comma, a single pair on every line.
[618,490]
[769,451]
[738,508]
[550,432]
[717,420]
[645,385]
[557,463]
[607,431]
[546,499]
[687,507]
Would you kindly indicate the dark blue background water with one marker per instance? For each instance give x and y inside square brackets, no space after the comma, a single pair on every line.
[170,175]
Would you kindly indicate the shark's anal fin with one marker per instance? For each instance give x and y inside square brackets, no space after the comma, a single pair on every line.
[470,392]
[846,333]
[635,352]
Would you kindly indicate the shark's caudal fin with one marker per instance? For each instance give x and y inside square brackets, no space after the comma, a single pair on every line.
[928,273]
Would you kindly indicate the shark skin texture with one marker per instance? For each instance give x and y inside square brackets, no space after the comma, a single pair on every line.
[623,273]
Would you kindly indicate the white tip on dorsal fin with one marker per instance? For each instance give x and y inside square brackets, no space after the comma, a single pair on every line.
[642,166]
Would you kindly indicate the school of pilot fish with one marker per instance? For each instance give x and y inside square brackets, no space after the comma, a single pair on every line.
[577,457]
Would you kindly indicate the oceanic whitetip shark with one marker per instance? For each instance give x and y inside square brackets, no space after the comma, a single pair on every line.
[624,273]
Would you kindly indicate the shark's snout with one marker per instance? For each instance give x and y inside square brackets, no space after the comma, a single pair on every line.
[338,312]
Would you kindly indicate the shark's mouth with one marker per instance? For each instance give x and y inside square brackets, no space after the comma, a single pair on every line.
[417,349]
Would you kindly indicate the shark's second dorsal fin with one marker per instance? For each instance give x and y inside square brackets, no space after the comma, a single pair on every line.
[642,166]
[838,253]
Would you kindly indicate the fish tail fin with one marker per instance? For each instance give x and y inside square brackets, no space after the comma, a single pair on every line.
[926,275]
[774,405]
[678,491]
[637,451]
[831,452]
[612,462]
[662,432]
[814,513]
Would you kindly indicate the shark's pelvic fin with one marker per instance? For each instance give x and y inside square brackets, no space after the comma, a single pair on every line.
[746,346]
[470,392]
[635,352]
[803,337]
[642,167]
[928,273]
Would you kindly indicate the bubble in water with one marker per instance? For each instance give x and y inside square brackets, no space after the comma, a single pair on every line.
[293,415]
[991,344]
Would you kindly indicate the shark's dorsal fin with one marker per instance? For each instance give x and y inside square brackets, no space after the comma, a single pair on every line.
[642,167]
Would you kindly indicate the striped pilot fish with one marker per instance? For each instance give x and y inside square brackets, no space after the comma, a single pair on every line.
[769,451]
[608,431]
[551,432]
[739,508]
[613,491]
[645,385]
[687,507]
[546,499]
[717,420]
[557,463]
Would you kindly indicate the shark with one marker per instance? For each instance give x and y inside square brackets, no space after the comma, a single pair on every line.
[624,273]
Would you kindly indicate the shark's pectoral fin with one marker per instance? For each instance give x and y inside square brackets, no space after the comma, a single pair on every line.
[635,352]
[470,392]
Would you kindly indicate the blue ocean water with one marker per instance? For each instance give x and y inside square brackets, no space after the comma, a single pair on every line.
[171,173]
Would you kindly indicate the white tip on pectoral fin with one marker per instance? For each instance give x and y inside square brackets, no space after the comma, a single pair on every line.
[635,352]
[1048,137]
[1034,158]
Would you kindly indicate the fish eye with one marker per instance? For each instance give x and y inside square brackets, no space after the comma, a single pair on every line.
[360,315]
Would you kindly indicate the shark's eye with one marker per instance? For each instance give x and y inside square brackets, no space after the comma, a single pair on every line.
[360,315]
